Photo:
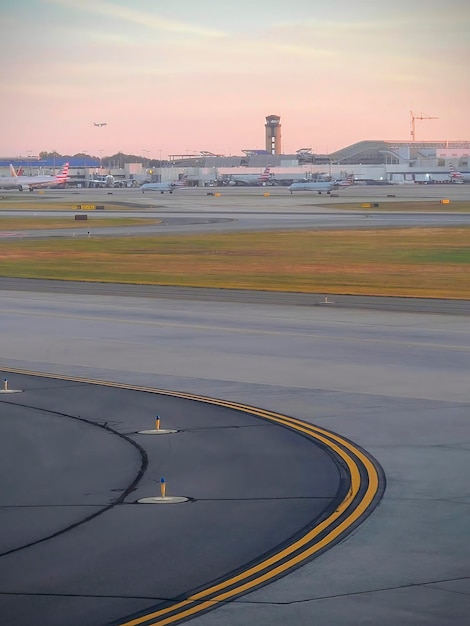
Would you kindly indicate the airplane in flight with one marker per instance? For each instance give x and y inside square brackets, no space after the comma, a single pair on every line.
[100,123]
[321,186]
[23,183]
[251,179]
[162,187]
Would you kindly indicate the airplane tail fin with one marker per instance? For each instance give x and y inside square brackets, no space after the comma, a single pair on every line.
[266,174]
[183,181]
[13,173]
[63,175]
[454,175]
[347,182]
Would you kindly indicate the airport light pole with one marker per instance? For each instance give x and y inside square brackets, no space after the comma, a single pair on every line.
[146,152]
[84,166]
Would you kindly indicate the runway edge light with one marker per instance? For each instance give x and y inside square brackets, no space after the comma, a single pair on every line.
[163,498]
[6,390]
[157,430]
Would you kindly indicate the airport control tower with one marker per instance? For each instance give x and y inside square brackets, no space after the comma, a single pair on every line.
[273,134]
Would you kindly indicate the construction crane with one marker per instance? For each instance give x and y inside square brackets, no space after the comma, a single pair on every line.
[420,116]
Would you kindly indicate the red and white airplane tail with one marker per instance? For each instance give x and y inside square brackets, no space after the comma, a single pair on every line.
[63,175]
[347,182]
[266,174]
[454,175]
[14,173]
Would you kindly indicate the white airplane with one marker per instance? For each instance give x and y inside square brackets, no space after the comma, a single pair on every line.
[251,179]
[103,181]
[321,187]
[100,123]
[162,187]
[23,183]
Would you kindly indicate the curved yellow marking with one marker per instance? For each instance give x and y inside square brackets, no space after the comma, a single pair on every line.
[187,608]
[282,568]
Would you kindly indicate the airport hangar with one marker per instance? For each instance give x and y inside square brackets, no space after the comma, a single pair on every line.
[397,162]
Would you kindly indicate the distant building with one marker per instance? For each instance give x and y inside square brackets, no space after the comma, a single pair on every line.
[401,162]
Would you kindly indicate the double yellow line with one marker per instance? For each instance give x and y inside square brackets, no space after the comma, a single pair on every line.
[364,492]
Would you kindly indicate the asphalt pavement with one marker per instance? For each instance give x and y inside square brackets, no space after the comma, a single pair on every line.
[75,466]
[395,382]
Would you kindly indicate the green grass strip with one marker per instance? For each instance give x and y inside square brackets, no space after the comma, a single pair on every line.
[416,262]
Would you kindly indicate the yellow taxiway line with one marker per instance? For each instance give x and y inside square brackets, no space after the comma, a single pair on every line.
[364,491]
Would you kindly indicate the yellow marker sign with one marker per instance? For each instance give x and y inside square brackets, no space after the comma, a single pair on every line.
[366,205]
[445,201]
[86,207]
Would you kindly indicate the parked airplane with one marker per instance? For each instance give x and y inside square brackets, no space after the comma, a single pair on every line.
[100,123]
[321,186]
[102,181]
[15,173]
[458,177]
[162,187]
[251,179]
[34,182]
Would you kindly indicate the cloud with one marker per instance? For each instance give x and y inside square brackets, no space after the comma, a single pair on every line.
[139,17]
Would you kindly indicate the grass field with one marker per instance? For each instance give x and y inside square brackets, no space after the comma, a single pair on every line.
[417,262]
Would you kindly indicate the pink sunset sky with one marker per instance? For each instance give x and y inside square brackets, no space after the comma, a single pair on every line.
[178,77]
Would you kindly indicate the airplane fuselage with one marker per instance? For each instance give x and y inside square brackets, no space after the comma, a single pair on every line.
[9,182]
[255,181]
[319,187]
[161,187]
[26,182]
[463,177]
[34,182]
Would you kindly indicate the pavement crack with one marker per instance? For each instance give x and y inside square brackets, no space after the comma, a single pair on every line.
[51,506]
[356,593]
[82,595]
[460,593]
[456,500]
[262,499]
[119,500]
[433,584]
[189,430]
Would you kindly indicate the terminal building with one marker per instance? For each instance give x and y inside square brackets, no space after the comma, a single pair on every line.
[370,160]
[378,161]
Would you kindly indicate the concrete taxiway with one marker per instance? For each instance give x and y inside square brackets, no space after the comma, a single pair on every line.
[244,209]
[396,383]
